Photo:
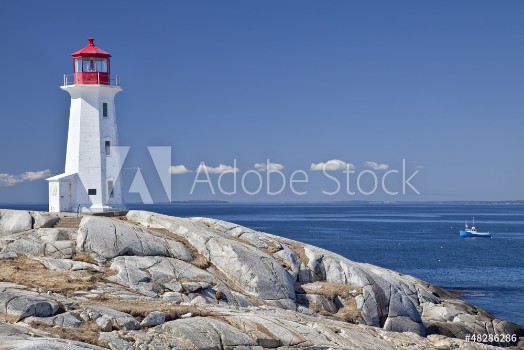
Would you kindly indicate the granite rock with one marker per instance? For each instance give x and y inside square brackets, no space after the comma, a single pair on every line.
[13,221]
[119,319]
[154,318]
[106,238]
[67,319]
[44,219]
[219,285]
[25,305]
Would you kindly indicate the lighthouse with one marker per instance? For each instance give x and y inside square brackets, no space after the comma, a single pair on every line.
[90,181]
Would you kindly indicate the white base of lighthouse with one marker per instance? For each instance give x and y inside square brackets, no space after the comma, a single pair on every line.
[91,180]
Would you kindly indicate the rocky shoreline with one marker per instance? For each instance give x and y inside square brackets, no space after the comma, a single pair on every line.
[145,280]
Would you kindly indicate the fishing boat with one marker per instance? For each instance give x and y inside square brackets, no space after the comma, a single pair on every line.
[472,232]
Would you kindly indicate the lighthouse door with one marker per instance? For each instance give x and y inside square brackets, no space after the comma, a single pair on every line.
[65,196]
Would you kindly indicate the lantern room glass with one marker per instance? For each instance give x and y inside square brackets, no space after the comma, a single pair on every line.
[88,64]
[78,64]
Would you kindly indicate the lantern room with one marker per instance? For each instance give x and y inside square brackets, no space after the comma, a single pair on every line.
[91,65]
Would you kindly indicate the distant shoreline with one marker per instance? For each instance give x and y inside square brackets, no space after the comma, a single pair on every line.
[333,203]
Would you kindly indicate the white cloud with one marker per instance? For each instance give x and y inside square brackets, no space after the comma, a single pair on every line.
[333,164]
[269,167]
[216,170]
[11,180]
[376,166]
[420,167]
[179,169]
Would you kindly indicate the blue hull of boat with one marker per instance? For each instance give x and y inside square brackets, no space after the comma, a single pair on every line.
[469,234]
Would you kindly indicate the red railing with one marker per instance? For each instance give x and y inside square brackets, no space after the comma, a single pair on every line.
[96,78]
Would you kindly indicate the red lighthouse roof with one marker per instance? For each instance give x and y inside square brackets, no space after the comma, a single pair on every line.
[91,51]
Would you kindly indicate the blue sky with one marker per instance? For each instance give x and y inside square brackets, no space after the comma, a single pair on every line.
[438,83]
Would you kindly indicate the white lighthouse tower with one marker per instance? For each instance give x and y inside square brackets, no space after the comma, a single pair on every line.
[91,178]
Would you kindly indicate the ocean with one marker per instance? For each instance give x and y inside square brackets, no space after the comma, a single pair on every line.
[419,240]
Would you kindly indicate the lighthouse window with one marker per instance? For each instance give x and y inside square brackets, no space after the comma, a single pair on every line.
[78,65]
[95,65]
[108,148]
[91,192]
[101,65]
[104,109]
[89,65]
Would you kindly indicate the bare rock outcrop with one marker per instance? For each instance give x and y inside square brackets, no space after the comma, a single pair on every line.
[106,239]
[153,281]
[27,304]
[13,221]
